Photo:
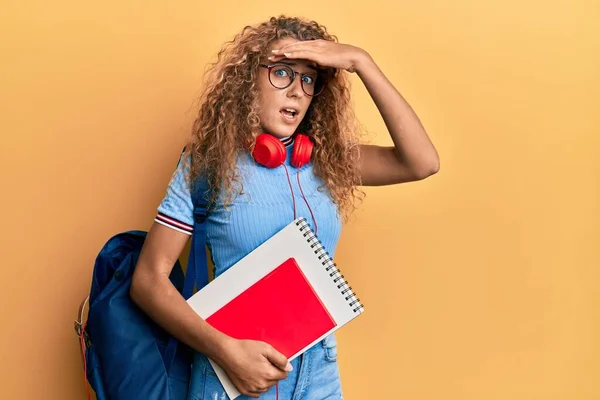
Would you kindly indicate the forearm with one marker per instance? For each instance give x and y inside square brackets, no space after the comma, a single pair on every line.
[412,145]
[161,301]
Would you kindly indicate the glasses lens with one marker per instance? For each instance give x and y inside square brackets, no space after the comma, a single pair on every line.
[310,84]
[281,76]
[317,86]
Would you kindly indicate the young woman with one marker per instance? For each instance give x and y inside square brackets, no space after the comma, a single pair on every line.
[280,86]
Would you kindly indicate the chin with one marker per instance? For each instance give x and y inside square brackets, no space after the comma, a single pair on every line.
[281,132]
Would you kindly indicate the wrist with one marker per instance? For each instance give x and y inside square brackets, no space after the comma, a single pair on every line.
[219,347]
[362,61]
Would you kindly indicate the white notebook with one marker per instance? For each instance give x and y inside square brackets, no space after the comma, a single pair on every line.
[287,292]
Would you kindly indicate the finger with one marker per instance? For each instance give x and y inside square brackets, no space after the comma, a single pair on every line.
[283,56]
[276,375]
[303,54]
[277,359]
[316,43]
[276,58]
[250,393]
[307,44]
[266,385]
[273,382]
[257,392]
[297,47]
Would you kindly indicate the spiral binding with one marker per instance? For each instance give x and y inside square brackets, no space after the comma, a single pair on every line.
[330,266]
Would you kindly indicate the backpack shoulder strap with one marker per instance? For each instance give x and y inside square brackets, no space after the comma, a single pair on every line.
[197,270]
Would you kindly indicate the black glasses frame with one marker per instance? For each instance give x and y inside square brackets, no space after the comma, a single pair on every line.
[319,83]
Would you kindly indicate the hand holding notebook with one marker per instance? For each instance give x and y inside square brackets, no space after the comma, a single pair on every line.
[288,293]
[254,365]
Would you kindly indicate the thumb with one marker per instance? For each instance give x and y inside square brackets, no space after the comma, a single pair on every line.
[277,359]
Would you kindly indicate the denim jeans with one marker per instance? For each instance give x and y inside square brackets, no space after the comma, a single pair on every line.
[315,377]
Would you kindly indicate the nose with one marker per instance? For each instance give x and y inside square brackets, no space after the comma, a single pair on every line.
[295,89]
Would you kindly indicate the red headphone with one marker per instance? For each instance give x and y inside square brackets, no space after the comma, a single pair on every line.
[270,152]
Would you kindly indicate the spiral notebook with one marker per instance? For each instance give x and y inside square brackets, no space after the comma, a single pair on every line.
[288,292]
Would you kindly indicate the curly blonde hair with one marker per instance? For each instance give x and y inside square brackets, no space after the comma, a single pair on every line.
[227,122]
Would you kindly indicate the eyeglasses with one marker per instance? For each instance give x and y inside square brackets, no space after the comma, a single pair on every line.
[282,76]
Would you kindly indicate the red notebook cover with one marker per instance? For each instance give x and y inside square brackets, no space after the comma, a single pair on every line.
[281,309]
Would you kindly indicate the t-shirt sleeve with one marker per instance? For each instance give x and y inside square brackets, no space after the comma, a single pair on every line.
[176,210]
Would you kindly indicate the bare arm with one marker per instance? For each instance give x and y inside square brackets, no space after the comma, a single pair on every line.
[413,156]
[252,366]
[154,293]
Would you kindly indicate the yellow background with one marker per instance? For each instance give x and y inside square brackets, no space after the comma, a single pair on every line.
[479,283]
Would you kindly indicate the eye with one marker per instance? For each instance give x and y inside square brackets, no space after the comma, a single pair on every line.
[281,72]
[308,79]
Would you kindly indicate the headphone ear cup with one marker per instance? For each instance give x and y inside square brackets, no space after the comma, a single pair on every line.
[302,151]
[269,151]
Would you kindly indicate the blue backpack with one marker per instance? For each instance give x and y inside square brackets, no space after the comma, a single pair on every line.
[126,355]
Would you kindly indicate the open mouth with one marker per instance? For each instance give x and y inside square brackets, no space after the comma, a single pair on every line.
[289,113]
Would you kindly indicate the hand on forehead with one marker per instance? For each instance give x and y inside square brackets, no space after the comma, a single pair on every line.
[281,44]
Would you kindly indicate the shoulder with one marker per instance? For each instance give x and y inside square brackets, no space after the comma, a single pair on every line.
[176,208]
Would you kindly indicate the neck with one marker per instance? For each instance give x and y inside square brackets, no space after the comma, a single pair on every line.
[287,140]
